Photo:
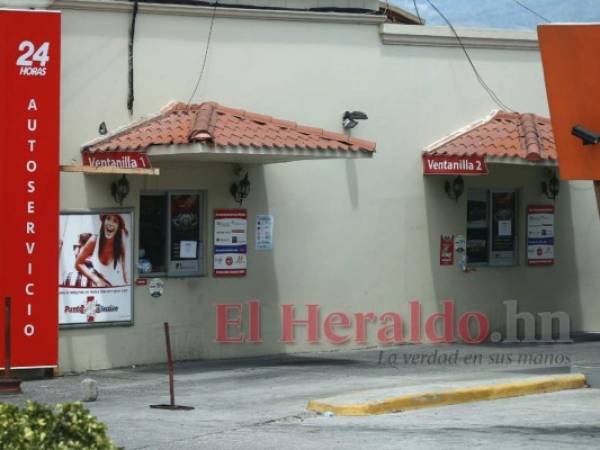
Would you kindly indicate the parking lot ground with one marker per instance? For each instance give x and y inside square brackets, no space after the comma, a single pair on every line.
[260,403]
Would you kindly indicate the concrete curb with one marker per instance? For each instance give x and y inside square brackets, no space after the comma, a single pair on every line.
[591,370]
[453,396]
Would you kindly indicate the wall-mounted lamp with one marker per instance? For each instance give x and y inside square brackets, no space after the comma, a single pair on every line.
[455,189]
[240,190]
[552,188]
[588,137]
[120,189]
[349,120]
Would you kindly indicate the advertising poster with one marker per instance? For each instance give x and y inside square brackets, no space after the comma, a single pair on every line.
[95,269]
[540,235]
[230,243]
[446,250]
[29,184]
[264,232]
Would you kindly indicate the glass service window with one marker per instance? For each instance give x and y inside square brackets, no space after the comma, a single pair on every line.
[492,227]
[153,235]
[171,234]
[478,227]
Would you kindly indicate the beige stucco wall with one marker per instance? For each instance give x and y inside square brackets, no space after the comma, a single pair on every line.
[349,235]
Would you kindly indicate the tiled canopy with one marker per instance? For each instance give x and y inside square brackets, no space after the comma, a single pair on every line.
[220,127]
[501,135]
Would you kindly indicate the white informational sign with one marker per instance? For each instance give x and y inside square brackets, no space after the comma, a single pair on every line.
[95,269]
[503,212]
[230,262]
[156,287]
[460,247]
[540,235]
[230,243]
[504,228]
[264,232]
[187,249]
[460,243]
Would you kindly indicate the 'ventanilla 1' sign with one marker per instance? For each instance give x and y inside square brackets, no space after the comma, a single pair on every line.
[29,184]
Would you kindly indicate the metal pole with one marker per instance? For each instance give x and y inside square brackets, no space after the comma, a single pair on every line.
[170,364]
[7,345]
[8,384]
[171,406]
[597,189]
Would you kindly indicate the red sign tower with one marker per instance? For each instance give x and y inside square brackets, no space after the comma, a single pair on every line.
[29,184]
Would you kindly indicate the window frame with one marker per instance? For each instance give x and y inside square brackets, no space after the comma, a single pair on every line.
[167,194]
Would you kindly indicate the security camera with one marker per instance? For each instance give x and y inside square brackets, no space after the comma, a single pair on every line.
[588,137]
[350,118]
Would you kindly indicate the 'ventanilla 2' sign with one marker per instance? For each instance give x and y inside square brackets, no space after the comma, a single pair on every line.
[29,184]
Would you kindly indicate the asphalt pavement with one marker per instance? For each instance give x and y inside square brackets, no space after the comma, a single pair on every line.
[260,403]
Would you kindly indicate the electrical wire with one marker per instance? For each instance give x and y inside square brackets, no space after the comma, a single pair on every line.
[417,11]
[205,58]
[522,5]
[130,96]
[485,86]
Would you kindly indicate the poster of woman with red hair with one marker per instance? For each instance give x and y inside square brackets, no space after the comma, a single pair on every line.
[95,267]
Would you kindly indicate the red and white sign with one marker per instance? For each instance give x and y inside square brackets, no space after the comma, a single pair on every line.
[446,250]
[230,243]
[120,160]
[95,270]
[540,235]
[454,165]
[29,189]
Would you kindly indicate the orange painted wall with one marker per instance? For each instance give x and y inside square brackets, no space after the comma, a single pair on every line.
[571,59]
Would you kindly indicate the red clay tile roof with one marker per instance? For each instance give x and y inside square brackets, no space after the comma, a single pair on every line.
[213,124]
[501,134]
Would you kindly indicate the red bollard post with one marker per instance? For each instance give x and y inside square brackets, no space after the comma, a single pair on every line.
[170,364]
[8,385]
[172,406]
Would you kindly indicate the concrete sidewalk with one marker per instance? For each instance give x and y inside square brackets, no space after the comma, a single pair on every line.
[261,402]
